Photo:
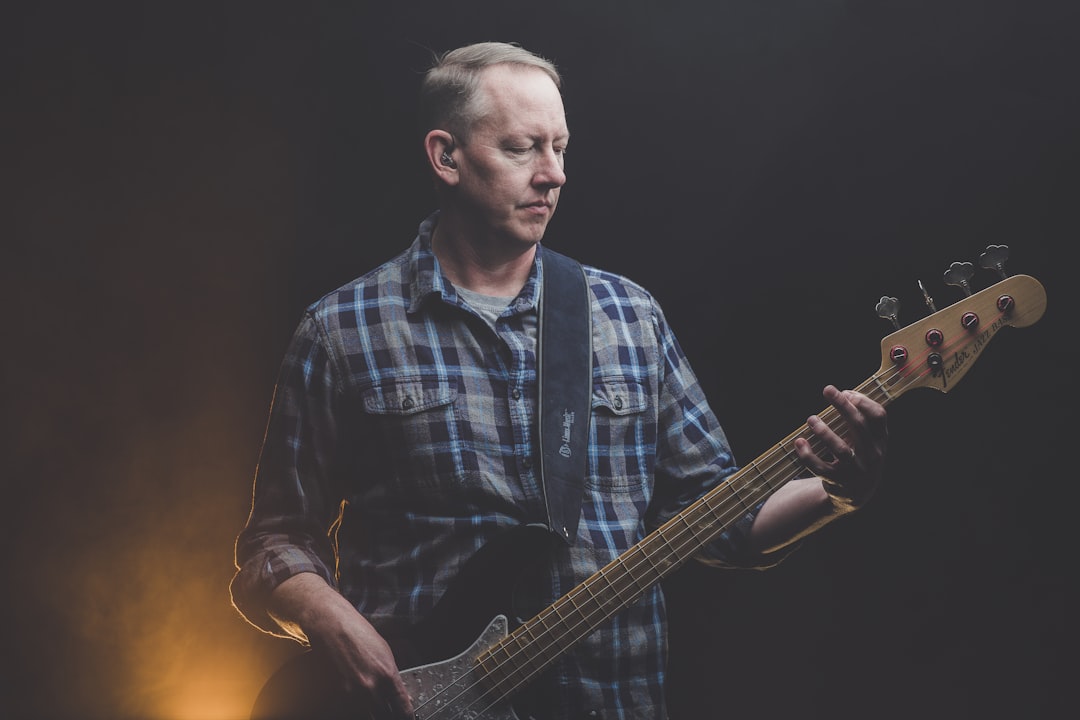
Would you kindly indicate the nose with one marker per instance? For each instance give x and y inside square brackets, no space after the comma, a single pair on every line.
[550,171]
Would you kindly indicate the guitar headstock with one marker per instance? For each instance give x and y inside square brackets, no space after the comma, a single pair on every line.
[937,351]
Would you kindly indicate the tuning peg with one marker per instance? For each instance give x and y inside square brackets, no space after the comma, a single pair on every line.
[958,274]
[889,309]
[994,259]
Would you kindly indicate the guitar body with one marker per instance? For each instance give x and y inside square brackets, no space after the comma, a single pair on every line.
[471,617]
[446,689]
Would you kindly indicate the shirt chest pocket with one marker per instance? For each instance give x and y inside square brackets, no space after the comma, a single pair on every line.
[624,428]
[411,426]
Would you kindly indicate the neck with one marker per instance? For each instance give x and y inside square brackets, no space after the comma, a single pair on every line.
[488,267]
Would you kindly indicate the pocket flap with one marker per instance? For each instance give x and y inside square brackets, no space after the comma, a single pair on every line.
[620,395]
[405,396]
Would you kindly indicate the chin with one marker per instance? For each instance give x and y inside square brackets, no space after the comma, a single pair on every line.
[525,236]
[533,233]
[533,239]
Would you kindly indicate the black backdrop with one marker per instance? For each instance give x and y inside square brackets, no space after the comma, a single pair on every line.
[180,179]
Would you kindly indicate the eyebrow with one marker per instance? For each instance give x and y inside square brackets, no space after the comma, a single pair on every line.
[539,138]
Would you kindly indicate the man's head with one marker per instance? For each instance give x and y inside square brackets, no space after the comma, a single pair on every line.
[495,142]
[449,97]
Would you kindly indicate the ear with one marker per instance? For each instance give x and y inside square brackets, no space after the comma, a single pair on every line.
[439,148]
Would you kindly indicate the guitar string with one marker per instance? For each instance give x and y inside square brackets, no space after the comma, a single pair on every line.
[685,538]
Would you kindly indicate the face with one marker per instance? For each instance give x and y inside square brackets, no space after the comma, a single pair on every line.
[510,167]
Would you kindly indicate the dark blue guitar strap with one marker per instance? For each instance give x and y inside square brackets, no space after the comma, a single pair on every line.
[564,372]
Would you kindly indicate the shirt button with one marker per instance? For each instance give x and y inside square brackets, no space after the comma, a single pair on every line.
[407,403]
[618,406]
[516,394]
[527,462]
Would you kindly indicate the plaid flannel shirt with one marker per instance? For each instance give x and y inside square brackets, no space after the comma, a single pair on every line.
[402,438]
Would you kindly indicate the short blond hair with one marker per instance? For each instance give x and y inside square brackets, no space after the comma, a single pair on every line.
[448,92]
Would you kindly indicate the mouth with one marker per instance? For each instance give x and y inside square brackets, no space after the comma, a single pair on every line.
[540,206]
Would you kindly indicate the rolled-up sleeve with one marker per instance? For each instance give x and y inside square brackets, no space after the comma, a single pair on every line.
[297,493]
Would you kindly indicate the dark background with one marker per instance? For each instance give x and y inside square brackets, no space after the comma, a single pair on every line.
[180,179]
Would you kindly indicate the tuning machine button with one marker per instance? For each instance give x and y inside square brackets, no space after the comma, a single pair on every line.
[889,309]
[994,259]
[959,274]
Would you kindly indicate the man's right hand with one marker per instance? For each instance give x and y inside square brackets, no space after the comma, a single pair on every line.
[312,611]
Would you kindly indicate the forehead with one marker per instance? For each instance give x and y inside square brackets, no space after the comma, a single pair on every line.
[516,99]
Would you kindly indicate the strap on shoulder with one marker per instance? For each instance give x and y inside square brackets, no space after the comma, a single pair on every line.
[564,372]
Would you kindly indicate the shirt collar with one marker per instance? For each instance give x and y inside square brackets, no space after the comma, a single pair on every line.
[427,279]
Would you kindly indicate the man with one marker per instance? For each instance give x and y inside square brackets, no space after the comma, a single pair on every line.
[402,437]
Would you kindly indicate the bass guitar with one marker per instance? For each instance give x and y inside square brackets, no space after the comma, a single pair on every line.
[467,659]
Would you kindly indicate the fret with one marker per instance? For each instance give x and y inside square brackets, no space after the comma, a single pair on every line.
[548,636]
[603,584]
[580,612]
[586,588]
[598,600]
[570,599]
[789,452]
[500,666]
[717,517]
[540,656]
[692,528]
[660,538]
[631,573]
[753,466]
[521,657]
[614,584]
[659,569]
[785,464]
